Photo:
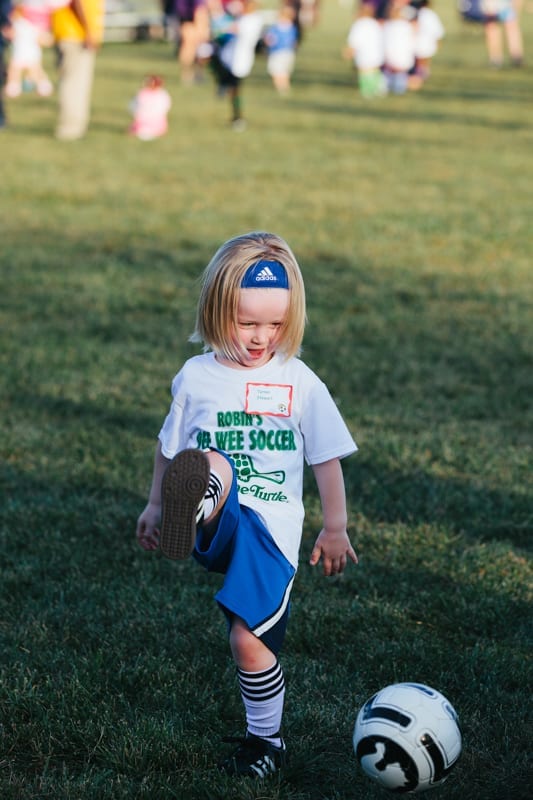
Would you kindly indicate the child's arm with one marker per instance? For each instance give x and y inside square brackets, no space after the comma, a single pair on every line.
[332,545]
[150,519]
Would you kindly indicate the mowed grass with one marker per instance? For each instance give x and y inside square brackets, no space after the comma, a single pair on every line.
[411,218]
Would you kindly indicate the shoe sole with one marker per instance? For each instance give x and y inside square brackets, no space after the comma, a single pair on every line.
[184,485]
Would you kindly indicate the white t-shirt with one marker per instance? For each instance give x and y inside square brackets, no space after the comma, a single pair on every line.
[399,44]
[429,30]
[269,419]
[238,55]
[26,48]
[366,40]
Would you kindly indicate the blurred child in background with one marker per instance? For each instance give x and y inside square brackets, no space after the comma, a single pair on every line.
[429,30]
[220,29]
[366,48]
[150,108]
[193,33]
[281,40]
[503,16]
[30,32]
[5,35]
[234,55]
[399,43]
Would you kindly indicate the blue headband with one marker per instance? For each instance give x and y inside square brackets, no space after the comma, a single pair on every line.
[265,275]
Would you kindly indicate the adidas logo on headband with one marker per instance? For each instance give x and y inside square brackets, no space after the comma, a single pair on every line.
[265,274]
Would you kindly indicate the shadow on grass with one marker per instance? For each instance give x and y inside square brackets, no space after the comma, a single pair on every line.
[95,415]
[462,506]
[391,113]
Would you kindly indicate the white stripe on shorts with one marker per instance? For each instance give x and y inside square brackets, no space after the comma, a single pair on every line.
[271,621]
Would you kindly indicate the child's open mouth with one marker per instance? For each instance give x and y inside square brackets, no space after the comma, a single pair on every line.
[254,355]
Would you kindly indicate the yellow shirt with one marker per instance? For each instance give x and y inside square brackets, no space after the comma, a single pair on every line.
[66,26]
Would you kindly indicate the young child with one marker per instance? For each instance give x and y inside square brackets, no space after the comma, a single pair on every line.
[399,42]
[429,30]
[150,108]
[366,48]
[228,473]
[233,58]
[503,16]
[281,40]
[31,30]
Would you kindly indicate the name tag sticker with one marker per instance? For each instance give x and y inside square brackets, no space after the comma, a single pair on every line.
[269,399]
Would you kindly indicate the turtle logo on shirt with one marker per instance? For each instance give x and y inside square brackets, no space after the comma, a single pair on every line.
[246,470]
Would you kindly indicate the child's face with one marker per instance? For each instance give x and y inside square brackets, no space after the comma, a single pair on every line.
[260,317]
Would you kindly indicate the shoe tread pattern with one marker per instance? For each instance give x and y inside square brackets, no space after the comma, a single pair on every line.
[183,487]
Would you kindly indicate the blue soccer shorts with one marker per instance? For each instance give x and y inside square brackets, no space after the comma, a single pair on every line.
[257,577]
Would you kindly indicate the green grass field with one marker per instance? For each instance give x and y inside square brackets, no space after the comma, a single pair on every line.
[411,218]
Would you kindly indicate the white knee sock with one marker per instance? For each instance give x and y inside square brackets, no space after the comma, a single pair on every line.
[215,490]
[263,694]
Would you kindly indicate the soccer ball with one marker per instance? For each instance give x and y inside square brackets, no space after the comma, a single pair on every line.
[407,737]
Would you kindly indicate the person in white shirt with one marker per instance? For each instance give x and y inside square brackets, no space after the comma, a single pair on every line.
[399,42]
[366,48]
[429,30]
[228,473]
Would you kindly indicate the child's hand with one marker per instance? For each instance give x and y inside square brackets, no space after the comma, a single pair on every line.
[148,527]
[334,548]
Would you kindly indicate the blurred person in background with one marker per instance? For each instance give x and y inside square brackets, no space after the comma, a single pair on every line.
[78,32]
[429,30]
[193,32]
[281,40]
[399,43]
[502,16]
[5,34]
[30,22]
[150,108]
[234,55]
[366,46]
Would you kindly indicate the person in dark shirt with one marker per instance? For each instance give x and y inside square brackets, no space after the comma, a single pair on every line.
[5,27]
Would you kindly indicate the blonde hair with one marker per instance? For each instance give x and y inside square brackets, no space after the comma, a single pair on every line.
[216,314]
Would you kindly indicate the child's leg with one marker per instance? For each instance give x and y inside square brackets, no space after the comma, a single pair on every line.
[14,80]
[515,42]
[365,83]
[282,82]
[248,650]
[187,51]
[261,682]
[262,685]
[494,40]
[41,81]
[194,489]
[236,103]
[219,486]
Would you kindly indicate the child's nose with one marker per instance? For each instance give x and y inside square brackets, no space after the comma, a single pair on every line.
[260,334]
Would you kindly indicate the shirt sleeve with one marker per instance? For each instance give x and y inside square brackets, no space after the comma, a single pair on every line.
[325,433]
[171,434]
